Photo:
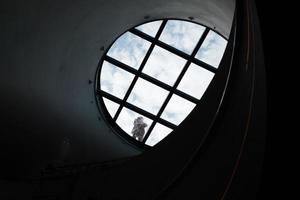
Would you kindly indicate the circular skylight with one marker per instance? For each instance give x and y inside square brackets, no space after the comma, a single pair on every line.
[154,75]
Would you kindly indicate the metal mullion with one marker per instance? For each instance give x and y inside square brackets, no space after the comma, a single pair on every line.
[168,87]
[140,69]
[109,96]
[134,81]
[150,79]
[189,61]
[142,35]
[119,101]
[147,114]
[139,110]
[176,83]
[134,108]
[186,56]
[130,89]
[120,64]
[136,72]
[176,51]
[126,104]
[186,96]
[204,65]
[166,123]
[157,118]
[156,82]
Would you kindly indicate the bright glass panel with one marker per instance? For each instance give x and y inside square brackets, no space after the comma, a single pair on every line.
[182,35]
[129,49]
[150,28]
[147,96]
[115,80]
[195,81]
[212,49]
[164,65]
[177,109]
[158,133]
[111,106]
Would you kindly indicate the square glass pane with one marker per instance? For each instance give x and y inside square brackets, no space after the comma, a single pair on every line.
[115,80]
[150,28]
[147,96]
[164,65]
[195,81]
[182,35]
[129,49]
[126,120]
[212,49]
[111,107]
[158,133]
[177,109]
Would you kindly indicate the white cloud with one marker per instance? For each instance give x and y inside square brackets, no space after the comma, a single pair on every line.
[212,49]
[158,133]
[150,28]
[195,81]
[129,49]
[164,65]
[115,80]
[182,35]
[177,109]
[147,96]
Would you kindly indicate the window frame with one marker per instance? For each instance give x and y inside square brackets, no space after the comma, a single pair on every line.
[111,121]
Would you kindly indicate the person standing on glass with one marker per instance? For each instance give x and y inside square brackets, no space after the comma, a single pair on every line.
[138,130]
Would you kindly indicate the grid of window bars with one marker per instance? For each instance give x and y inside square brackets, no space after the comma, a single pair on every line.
[191,60]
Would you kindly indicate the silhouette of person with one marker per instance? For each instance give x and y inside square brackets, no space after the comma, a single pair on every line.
[138,129]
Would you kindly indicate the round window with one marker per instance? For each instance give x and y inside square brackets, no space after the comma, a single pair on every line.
[153,76]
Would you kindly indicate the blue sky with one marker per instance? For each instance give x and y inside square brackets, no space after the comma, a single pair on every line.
[164,66]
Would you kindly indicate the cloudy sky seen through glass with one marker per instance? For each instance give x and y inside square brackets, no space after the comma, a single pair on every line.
[212,49]
[177,109]
[182,35]
[150,28]
[115,80]
[147,96]
[129,49]
[158,133]
[111,106]
[164,66]
[195,81]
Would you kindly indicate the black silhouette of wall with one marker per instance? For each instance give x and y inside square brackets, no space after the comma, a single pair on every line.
[49,55]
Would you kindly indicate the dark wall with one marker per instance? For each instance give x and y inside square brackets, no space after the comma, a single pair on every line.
[49,52]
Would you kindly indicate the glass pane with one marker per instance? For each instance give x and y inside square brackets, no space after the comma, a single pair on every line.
[164,65]
[182,35]
[195,81]
[212,49]
[150,28]
[147,96]
[126,121]
[115,80]
[177,109]
[158,133]
[129,49]
[111,106]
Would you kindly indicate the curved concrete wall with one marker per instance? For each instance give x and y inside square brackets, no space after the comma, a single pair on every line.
[49,52]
